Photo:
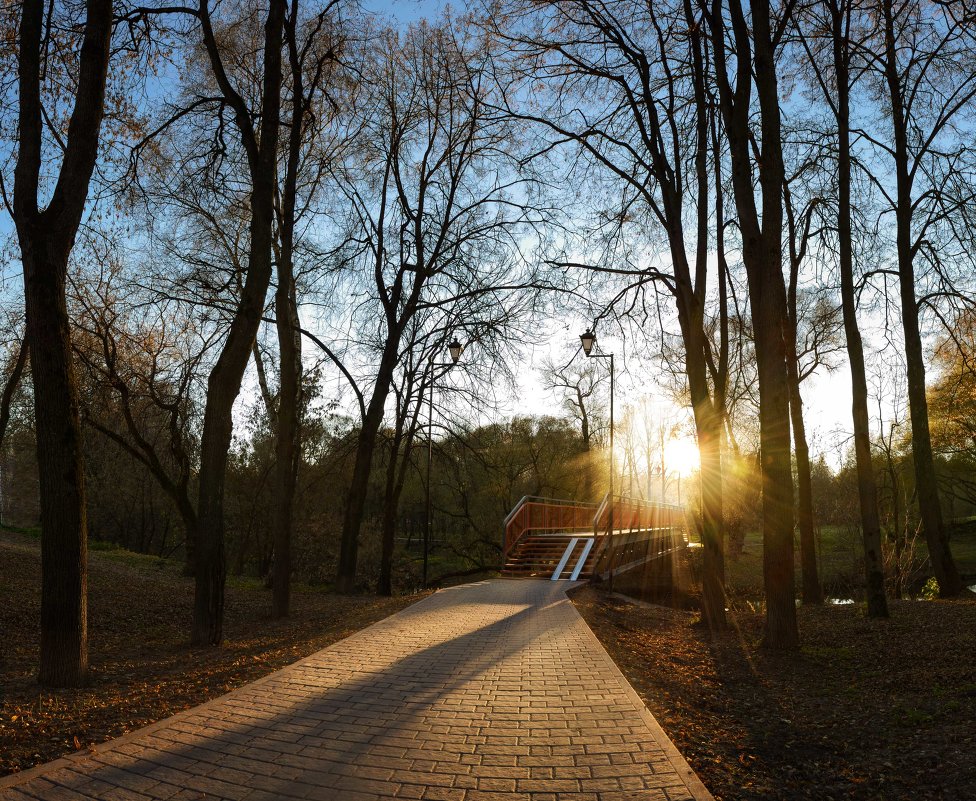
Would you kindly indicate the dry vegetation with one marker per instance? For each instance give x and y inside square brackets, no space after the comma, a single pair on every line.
[142,667]
[867,710]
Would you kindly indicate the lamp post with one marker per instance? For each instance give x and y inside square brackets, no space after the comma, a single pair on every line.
[454,348]
[588,340]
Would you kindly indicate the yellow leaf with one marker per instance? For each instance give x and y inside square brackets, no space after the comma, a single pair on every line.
[77,743]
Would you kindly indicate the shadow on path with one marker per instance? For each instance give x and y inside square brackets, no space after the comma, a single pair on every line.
[483,689]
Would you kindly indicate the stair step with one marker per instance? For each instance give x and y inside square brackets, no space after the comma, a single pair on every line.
[537,556]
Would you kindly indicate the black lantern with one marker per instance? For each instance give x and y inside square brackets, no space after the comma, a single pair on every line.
[587,338]
[455,348]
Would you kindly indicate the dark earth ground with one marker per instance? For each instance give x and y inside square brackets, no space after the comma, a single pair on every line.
[866,710]
[142,667]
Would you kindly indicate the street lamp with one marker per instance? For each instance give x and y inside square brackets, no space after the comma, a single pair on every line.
[454,348]
[588,340]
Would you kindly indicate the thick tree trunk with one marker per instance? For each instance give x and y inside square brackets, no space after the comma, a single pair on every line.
[927,490]
[762,254]
[288,442]
[766,286]
[690,296]
[709,431]
[223,387]
[64,534]
[209,556]
[867,486]
[46,239]
[777,476]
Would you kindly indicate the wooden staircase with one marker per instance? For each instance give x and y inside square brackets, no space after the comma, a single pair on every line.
[539,556]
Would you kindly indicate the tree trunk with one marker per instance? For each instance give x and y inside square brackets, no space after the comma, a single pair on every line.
[777,476]
[359,486]
[287,445]
[812,592]
[224,382]
[288,442]
[927,490]
[690,297]
[64,534]
[10,388]
[390,502]
[709,433]
[766,285]
[46,239]
[867,486]
[209,556]
[762,253]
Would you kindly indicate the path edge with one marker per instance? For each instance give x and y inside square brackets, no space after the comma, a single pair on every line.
[13,780]
[694,784]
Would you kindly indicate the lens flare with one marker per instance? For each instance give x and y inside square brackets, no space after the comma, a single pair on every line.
[681,456]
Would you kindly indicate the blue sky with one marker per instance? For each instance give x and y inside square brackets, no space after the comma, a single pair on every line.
[826,396]
[405,10]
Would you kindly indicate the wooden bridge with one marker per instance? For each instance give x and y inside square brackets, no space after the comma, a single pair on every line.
[562,539]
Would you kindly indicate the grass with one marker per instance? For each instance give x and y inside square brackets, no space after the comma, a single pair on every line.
[962,541]
[839,560]
[142,668]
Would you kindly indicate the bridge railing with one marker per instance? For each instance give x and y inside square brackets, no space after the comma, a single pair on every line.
[639,531]
[547,514]
[553,514]
[630,514]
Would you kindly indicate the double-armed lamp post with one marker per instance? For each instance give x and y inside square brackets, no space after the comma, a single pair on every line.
[588,340]
[454,348]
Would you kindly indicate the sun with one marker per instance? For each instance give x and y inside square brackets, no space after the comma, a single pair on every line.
[681,456]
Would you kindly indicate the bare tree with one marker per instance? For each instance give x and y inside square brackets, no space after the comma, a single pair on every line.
[755,37]
[831,59]
[142,361]
[800,223]
[433,214]
[258,129]
[922,56]
[311,53]
[629,89]
[578,385]
[46,237]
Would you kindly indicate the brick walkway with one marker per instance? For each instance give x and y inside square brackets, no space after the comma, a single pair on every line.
[495,691]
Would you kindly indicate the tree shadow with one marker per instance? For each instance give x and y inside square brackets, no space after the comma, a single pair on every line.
[350,717]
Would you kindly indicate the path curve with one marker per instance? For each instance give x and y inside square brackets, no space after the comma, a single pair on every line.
[492,691]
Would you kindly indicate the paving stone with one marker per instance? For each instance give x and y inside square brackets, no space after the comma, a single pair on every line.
[492,691]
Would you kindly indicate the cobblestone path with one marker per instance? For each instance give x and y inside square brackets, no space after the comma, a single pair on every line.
[493,691]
